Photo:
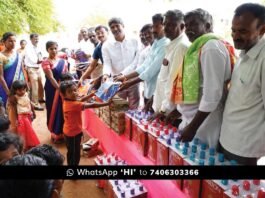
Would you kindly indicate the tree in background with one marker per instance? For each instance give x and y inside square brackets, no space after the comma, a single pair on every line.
[22,16]
[95,19]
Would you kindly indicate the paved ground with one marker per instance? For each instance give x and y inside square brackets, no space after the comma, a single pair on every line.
[71,189]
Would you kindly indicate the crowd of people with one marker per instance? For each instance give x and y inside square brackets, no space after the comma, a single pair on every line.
[191,78]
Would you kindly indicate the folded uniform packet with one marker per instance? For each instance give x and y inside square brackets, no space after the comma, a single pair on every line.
[107,90]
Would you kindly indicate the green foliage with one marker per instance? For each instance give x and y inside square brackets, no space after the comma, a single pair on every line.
[22,16]
[95,19]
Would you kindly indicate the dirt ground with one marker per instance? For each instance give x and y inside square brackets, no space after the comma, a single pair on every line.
[71,188]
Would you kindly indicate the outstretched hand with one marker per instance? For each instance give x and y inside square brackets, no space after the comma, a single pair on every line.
[96,83]
[118,78]
[160,116]
[124,85]
[187,134]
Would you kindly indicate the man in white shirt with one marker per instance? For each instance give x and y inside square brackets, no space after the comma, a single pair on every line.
[175,51]
[206,71]
[150,68]
[85,49]
[147,39]
[243,128]
[32,61]
[119,54]
[85,44]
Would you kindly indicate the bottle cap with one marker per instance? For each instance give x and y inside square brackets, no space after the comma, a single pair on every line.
[203,146]
[256,182]
[192,157]
[175,129]
[211,151]
[201,162]
[233,162]
[185,151]
[202,154]
[141,188]
[108,160]
[235,190]
[169,141]
[196,141]
[224,181]
[166,131]
[211,161]
[221,157]
[186,144]
[193,148]
[123,194]
[246,185]
[132,191]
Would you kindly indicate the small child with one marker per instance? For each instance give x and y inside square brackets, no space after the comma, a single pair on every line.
[25,113]
[72,129]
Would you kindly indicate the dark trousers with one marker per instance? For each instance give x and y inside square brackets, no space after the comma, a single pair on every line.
[73,149]
[240,160]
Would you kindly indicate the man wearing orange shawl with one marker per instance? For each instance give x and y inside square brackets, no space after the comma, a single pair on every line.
[200,87]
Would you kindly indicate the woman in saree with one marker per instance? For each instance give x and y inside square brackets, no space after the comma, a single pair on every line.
[10,70]
[53,68]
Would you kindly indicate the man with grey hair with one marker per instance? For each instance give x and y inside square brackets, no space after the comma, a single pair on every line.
[200,86]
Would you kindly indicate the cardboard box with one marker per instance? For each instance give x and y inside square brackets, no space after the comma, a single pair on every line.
[142,140]
[191,188]
[135,130]
[152,147]
[176,159]
[162,152]
[128,127]
[213,188]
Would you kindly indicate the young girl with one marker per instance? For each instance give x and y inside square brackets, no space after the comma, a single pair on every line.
[25,113]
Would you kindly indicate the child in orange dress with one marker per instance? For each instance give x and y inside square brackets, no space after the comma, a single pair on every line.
[25,113]
[72,111]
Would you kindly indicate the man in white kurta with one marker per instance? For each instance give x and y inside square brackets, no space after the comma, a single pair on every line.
[203,119]
[174,55]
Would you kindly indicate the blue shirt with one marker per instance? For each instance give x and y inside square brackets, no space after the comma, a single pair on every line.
[97,54]
[150,68]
